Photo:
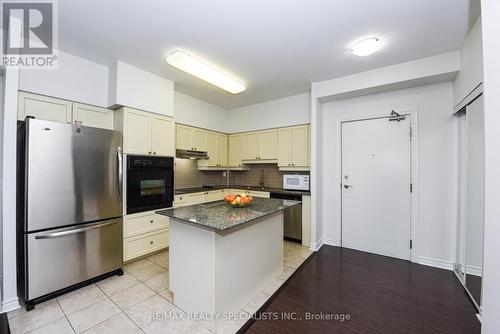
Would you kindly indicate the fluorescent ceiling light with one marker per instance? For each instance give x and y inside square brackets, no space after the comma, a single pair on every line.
[202,70]
[366,47]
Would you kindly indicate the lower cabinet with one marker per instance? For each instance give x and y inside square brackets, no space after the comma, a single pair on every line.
[198,198]
[144,233]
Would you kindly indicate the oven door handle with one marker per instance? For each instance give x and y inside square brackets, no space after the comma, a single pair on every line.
[120,173]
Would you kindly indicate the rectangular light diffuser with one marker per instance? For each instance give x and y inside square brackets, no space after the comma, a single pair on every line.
[200,69]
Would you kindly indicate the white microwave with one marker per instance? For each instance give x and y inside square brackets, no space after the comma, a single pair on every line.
[296,182]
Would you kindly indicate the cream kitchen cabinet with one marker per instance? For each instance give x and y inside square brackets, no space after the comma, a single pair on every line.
[222,149]
[190,138]
[217,150]
[293,146]
[144,244]
[199,197]
[255,193]
[96,117]
[162,135]
[145,133]
[234,159]
[43,107]
[268,144]
[144,233]
[260,145]
[250,146]
[59,110]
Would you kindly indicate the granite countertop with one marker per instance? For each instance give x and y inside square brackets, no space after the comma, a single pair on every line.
[183,191]
[220,216]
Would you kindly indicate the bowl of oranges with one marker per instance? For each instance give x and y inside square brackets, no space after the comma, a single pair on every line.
[239,200]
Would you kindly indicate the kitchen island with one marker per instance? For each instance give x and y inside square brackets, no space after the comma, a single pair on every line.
[221,257]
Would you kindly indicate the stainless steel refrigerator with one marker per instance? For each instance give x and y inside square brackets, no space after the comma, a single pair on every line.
[69,207]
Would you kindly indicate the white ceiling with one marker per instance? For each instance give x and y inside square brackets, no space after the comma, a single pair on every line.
[277,47]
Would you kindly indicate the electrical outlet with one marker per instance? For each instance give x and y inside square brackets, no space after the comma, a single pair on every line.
[224,174]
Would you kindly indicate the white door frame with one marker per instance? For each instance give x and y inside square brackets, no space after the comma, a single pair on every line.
[412,114]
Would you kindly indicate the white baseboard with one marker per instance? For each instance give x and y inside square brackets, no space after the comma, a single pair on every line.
[316,246]
[10,305]
[330,242]
[427,261]
[476,271]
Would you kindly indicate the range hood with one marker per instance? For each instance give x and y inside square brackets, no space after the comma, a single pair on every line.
[193,155]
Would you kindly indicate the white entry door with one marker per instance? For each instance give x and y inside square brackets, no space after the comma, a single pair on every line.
[376,186]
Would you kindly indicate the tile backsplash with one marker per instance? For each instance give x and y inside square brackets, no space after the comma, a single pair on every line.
[273,178]
[187,175]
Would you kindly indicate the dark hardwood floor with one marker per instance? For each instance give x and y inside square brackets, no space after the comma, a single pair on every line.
[380,295]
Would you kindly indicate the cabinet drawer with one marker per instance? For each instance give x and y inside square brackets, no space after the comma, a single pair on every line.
[144,244]
[139,224]
[254,193]
[180,200]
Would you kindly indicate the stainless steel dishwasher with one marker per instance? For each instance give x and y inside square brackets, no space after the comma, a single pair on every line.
[293,217]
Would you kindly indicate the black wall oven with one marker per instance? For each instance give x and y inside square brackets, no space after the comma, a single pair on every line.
[150,183]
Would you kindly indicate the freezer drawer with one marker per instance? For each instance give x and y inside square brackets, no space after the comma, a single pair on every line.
[62,257]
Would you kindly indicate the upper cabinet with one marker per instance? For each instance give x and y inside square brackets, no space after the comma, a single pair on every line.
[259,145]
[268,144]
[250,146]
[93,116]
[222,149]
[162,135]
[145,133]
[59,110]
[234,158]
[190,138]
[43,107]
[217,150]
[293,146]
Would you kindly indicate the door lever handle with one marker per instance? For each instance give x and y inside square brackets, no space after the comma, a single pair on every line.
[346,186]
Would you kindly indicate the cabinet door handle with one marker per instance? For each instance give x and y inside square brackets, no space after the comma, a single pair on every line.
[151,242]
[149,152]
[154,152]
[151,221]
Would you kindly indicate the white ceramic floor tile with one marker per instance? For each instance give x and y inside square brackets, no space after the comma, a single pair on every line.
[148,310]
[22,310]
[160,259]
[199,329]
[172,326]
[130,297]
[256,303]
[138,264]
[287,272]
[39,317]
[167,294]
[60,326]
[273,286]
[145,271]
[16,312]
[116,284]
[119,324]
[93,315]
[80,298]
[231,326]
[158,283]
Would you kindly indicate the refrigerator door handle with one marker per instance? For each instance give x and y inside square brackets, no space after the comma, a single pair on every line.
[120,173]
[68,232]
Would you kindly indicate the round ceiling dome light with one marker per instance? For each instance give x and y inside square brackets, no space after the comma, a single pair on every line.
[366,47]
